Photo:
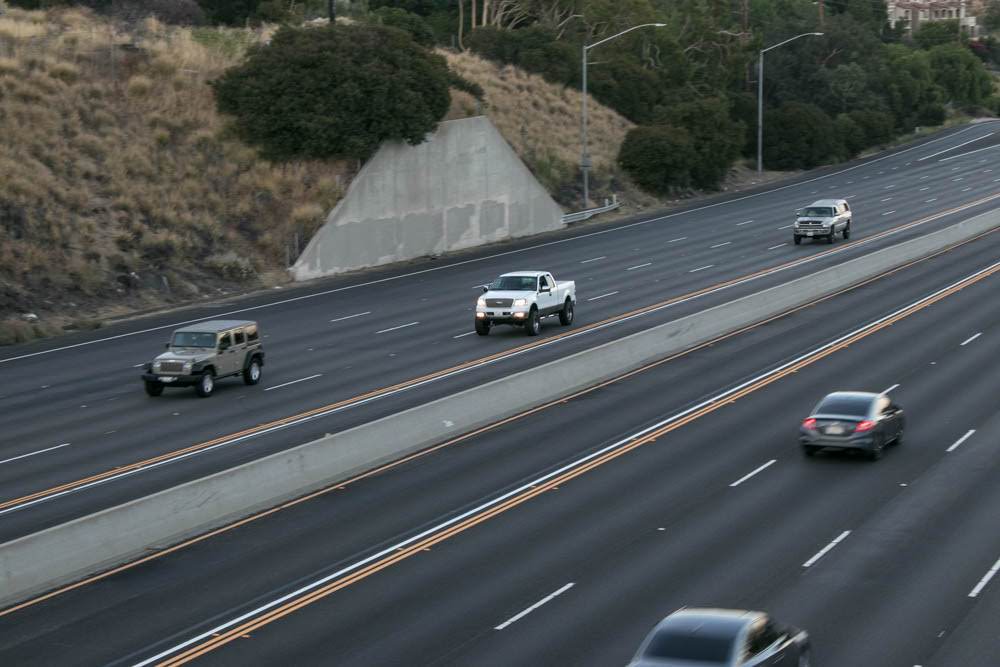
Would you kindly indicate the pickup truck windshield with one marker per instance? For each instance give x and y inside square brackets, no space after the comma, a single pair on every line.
[818,212]
[515,284]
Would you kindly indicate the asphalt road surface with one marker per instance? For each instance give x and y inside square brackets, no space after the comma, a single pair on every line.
[562,537]
[79,434]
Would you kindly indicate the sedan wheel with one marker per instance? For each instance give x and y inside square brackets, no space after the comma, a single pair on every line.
[876,453]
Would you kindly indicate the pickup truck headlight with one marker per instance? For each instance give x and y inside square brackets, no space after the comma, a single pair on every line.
[156,366]
[520,302]
[187,366]
[481,302]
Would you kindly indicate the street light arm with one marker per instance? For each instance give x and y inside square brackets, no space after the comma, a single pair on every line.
[791,39]
[635,27]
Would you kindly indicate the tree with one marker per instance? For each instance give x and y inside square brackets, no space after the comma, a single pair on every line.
[408,21]
[800,136]
[716,138]
[334,91]
[934,33]
[658,157]
[991,19]
[961,74]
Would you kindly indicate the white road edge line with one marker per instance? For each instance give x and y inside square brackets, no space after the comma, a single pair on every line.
[351,317]
[401,326]
[955,157]
[886,391]
[719,245]
[639,266]
[701,268]
[488,257]
[548,598]
[822,552]
[958,443]
[594,259]
[985,580]
[279,386]
[595,298]
[538,481]
[40,451]
[751,474]
[971,338]
[947,150]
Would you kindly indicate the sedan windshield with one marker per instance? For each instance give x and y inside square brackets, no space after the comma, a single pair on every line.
[855,406]
[193,339]
[817,212]
[515,283]
[706,649]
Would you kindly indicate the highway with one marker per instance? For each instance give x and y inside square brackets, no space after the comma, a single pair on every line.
[563,536]
[79,435]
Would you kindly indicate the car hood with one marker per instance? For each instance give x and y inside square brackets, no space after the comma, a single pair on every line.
[502,294]
[193,354]
[647,662]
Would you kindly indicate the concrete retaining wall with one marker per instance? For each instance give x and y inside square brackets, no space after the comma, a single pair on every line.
[464,186]
[70,551]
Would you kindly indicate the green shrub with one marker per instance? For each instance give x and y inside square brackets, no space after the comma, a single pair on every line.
[658,158]
[413,24]
[800,136]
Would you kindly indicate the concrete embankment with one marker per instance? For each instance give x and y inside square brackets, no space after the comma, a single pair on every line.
[64,553]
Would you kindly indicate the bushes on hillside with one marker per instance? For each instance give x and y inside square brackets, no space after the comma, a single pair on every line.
[800,136]
[336,91]
[536,49]
[658,158]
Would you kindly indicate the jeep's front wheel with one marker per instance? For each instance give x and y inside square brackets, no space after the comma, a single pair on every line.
[251,374]
[154,388]
[206,384]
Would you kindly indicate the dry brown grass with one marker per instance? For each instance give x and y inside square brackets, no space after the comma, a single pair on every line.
[113,162]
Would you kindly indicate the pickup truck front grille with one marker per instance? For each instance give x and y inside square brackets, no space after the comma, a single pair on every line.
[171,366]
[809,223]
[499,303]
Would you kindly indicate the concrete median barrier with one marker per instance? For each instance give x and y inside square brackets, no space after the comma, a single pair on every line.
[64,553]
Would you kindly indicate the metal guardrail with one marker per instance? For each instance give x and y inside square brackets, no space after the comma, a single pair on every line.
[580,216]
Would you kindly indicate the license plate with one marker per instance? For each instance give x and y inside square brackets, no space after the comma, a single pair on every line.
[809,233]
[835,430]
[166,378]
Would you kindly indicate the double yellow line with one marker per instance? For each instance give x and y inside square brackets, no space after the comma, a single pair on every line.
[331,587]
[376,393]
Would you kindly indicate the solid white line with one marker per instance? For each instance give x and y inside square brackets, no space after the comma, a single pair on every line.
[639,266]
[740,224]
[953,157]
[549,598]
[822,552]
[351,317]
[701,268]
[495,256]
[595,298]
[401,326]
[719,245]
[279,386]
[958,443]
[786,227]
[393,548]
[886,391]
[749,475]
[972,338]
[40,451]
[964,143]
[985,580]
[683,238]
[889,212]
[594,259]
[777,246]
[467,333]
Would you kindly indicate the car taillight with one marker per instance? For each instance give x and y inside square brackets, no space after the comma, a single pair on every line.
[809,424]
[864,425]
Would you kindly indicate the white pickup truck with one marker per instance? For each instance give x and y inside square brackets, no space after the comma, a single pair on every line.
[523,298]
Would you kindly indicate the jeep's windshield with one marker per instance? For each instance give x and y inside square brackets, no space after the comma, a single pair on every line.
[818,212]
[515,283]
[193,339]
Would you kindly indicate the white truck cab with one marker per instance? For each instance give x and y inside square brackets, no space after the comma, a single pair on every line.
[523,298]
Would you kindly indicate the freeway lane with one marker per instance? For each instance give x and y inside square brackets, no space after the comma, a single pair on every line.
[79,412]
[742,545]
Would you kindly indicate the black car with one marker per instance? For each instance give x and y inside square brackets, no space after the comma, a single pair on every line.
[853,420]
[722,638]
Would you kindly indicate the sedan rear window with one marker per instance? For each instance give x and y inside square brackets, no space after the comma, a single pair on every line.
[667,645]
[844,405]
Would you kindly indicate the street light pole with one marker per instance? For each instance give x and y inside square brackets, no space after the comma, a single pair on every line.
[585,161]
[760,94]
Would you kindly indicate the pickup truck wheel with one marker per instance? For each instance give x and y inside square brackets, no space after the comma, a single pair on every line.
[206,384]
[482,327]
[847,232]
[566,314]
[534,325]
[832,236]
[798,239]
[251,374]
[154,388]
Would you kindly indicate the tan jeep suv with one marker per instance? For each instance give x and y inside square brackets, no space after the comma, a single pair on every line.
[199,354]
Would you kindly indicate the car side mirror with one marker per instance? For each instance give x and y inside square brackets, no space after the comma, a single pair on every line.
[545,289]
[485,288]
[167,345]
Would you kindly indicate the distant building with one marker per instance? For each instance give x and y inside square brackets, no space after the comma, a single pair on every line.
[911,13]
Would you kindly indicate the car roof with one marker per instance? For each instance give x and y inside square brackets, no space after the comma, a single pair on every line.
[531,274]
[871,396]
[827,202]
[711,620]
[214,326]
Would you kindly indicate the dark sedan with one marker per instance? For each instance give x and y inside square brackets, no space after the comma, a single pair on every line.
[853,420]
[722,638]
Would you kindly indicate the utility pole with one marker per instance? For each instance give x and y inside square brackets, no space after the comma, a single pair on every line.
[822,6]
[331,7]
